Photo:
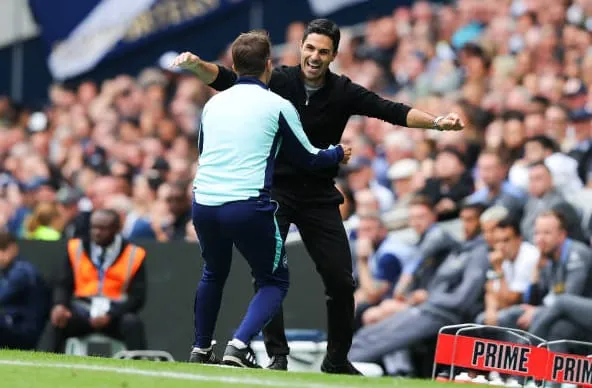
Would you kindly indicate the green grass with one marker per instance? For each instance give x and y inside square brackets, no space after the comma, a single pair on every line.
[29,369]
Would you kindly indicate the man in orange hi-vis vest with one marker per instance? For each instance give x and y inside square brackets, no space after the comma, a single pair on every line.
[101,287]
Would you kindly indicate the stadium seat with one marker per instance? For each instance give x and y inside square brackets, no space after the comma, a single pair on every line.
[94,345]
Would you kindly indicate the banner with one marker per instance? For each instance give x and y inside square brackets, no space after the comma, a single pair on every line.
[80,34]
[326,7]
[513,359]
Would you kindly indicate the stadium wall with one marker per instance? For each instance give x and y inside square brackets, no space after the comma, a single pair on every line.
[173,271]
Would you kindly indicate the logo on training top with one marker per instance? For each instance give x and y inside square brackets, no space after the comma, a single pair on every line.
[500,356]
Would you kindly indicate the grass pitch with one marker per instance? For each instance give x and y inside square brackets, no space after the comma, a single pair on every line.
[32,369]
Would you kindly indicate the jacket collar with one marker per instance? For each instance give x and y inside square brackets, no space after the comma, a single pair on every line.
[251,81]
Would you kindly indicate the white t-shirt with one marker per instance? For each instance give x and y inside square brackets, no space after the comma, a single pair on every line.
[518,273]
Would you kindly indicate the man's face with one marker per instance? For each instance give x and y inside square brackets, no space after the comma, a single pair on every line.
[103,228]
[539,181]
[370,229]
[360,179]
[507,242]
[534,152]
[448,166]
[488,229]
[316,53]
[548,235]
[514,135]
[470,222]
[490,170]
[7,255]
[177,202]
[420,218]
[556,122]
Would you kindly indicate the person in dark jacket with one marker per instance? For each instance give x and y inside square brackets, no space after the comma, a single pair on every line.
[101,288]
[24,298]
[325,101]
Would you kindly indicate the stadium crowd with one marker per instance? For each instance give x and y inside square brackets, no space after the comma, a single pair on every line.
[519,72]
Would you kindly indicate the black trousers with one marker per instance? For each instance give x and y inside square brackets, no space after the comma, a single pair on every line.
[128,328]
[325,239]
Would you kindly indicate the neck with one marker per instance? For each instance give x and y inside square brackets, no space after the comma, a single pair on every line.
[557,253]
[494,190]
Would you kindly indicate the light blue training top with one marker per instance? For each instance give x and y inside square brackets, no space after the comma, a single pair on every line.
[242,129]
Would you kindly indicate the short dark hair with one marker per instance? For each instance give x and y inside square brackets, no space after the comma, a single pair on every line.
[250,53]
[513,115]
[324,27]
[540,164]
[6,239]
[111,213]
[510,223]
[558,215]
[422,200]
[545,141]
[479,207]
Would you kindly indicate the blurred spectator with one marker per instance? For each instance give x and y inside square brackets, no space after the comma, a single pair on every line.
[450,185]
[24,298]
[512,263]
[361,176]
[133,227]
[380,262]
[75,221]
[402,175]
[543,196]
[433,246]
[87,300]
[563,168]
[44,223]
[453,296]
[563,268]
[491,170]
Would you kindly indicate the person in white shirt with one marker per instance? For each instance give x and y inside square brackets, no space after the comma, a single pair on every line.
[564,169]
[512,263]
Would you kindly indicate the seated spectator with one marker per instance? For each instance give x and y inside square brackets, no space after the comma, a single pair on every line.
[512,262]
[433,247]
[453,296]
[44,223]
[563,268]
[101,288]
[489,220]
[451,184]
[496,191]
[74,218]
[543,196]
[361,176]
[401,175]
[514,135]
[380,261]
[564,169]
[24,298]
[134,227]
[178,207]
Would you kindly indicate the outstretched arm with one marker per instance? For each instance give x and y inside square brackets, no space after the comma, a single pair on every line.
[220,78]
[366,103]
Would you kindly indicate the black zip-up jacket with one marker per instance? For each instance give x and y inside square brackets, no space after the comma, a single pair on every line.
[136,291]
[323,117]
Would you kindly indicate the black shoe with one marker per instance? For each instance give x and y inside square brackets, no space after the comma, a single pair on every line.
[242,358]
[201,357]
[343,368]
[278,363]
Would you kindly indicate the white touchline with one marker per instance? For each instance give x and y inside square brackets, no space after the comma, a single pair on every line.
[171,375]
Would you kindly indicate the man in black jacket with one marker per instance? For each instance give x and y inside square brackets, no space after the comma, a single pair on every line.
[325,102]
[101,287]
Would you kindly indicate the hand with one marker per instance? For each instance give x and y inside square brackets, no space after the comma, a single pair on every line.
[526,318]
[451,122]
[364,249]
[418,297]
[490,318]
[347,151]
[496,259]
[100,322]
[60,315]
[187,61]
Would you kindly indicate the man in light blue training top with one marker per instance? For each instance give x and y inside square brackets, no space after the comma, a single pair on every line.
[241,132]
